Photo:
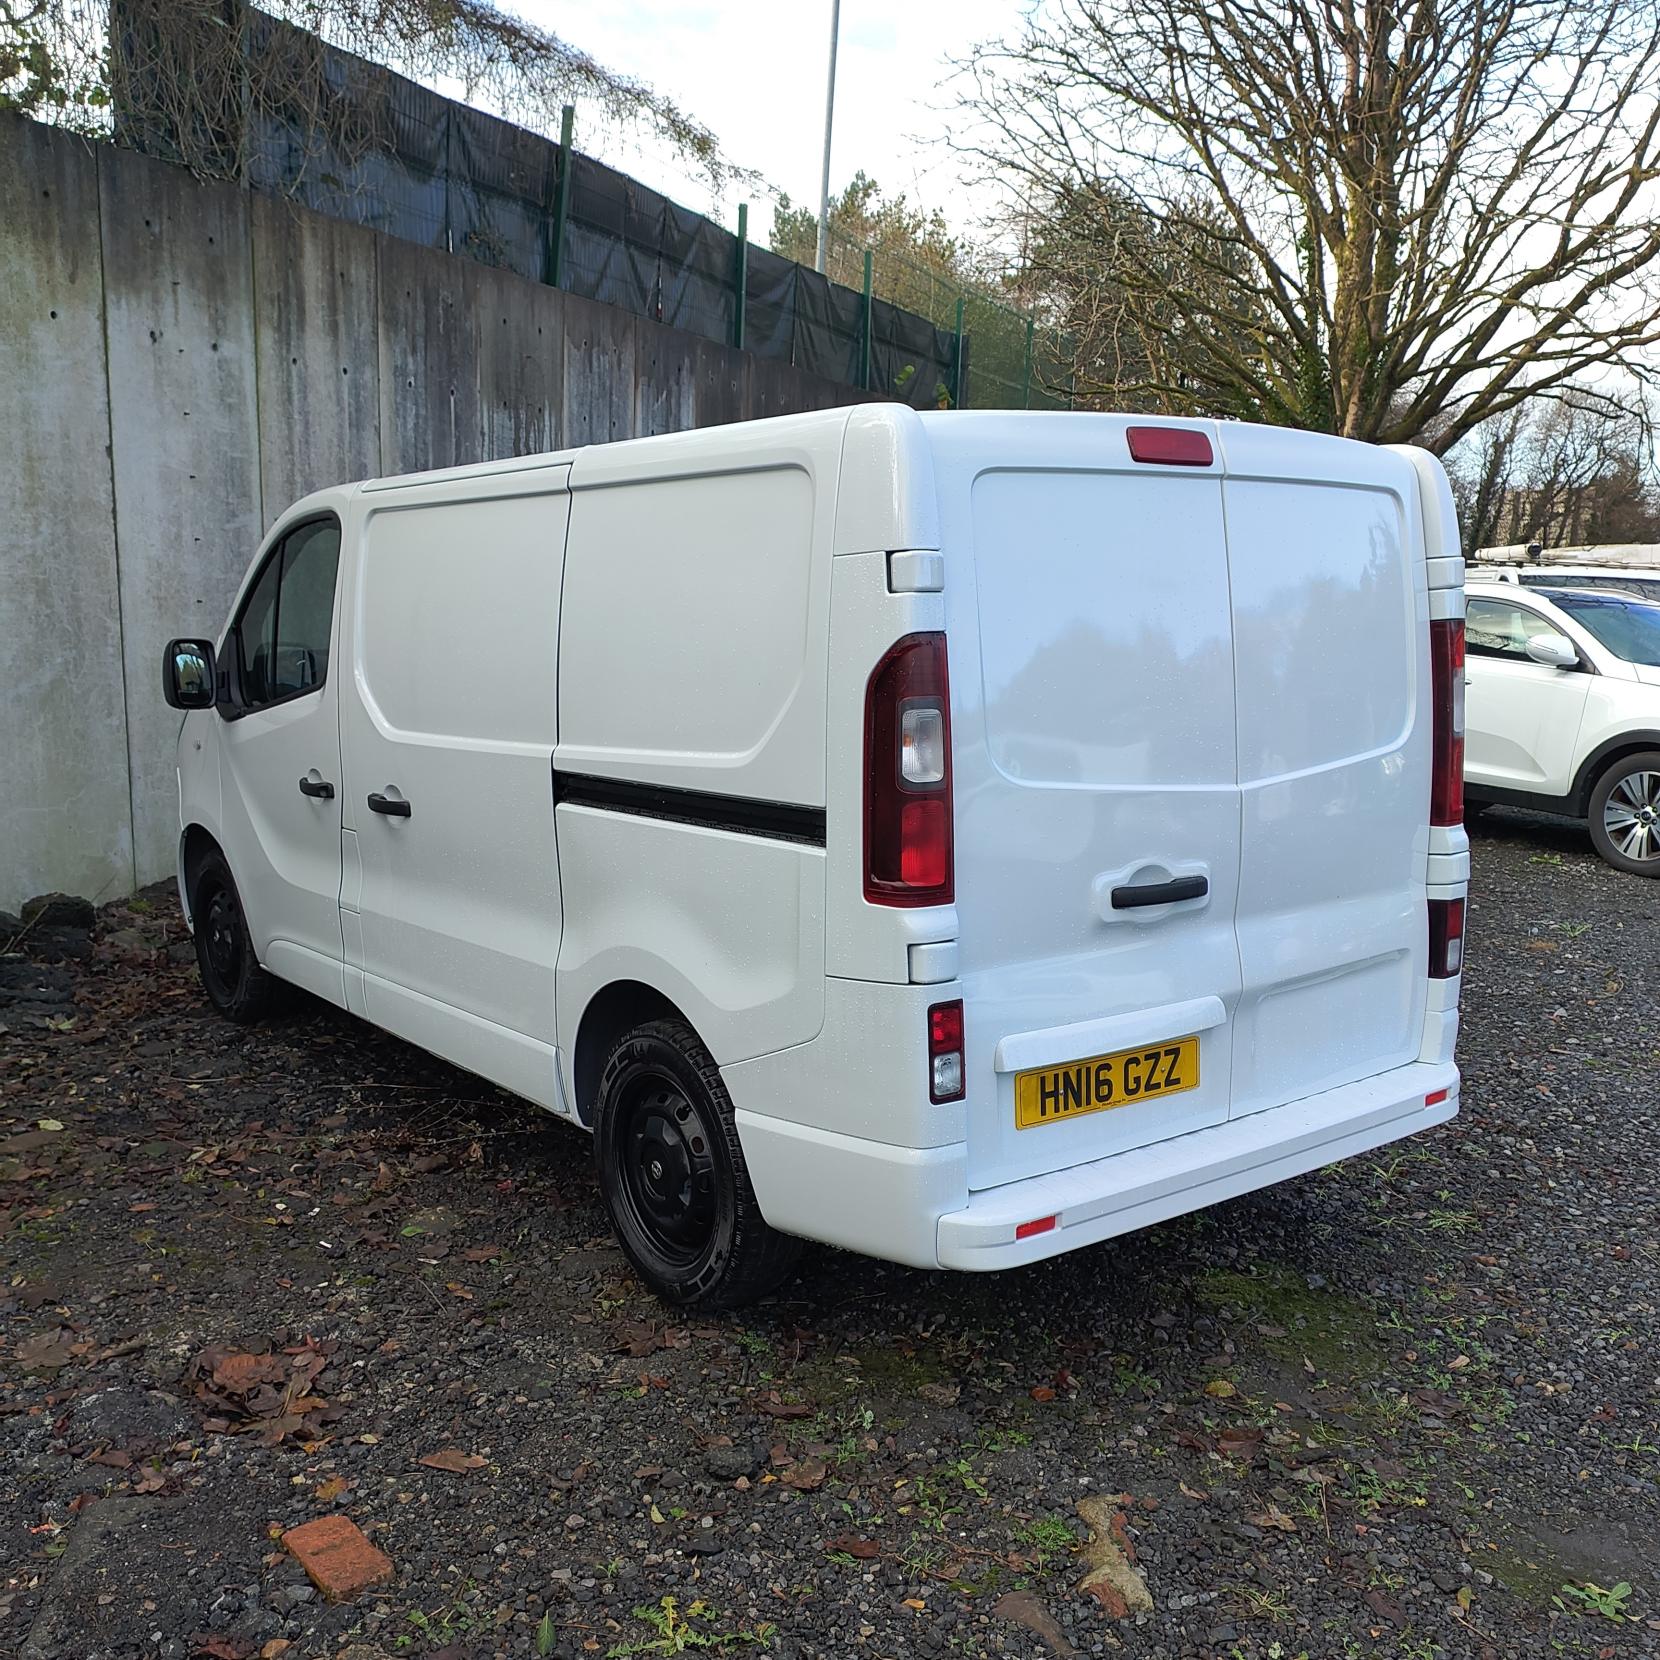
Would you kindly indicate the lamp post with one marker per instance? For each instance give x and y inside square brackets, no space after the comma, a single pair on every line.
[829,115]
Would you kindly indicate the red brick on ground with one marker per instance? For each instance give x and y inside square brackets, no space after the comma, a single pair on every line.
[336,1556]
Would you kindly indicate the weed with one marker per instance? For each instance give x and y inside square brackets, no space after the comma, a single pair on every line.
[1589,1598]
[1266,1605]
[677,1631]
[1047,1537]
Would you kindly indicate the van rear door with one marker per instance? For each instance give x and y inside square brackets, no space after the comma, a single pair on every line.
[1093,718]
[1329,592]
[1201,685]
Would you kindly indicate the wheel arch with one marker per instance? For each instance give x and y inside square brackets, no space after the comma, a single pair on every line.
[612,1011]
[1602,757]
[195,843]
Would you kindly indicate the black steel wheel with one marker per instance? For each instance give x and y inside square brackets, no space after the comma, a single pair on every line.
[673,1176]
[235,983]
[1624,814]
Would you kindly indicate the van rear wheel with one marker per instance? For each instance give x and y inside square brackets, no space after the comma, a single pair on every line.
[235,983]
[1624,814]
[673,1175]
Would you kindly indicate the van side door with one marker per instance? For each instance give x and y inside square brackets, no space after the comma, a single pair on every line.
[280,749]
[451,900]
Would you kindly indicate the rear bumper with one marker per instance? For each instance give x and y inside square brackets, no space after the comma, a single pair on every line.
[912,1205]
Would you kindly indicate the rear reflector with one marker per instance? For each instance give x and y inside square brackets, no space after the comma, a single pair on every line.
[1170,446]
[1436,1097]
[908,775]
[1446,664]
[945,1051]
[1043,1224]
[1446,938]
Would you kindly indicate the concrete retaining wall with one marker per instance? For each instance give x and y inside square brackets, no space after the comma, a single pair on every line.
[181,360]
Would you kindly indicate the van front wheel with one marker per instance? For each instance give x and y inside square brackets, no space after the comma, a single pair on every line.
[235,983]
[673,1174]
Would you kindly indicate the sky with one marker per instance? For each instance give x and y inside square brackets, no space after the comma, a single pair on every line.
[754,73]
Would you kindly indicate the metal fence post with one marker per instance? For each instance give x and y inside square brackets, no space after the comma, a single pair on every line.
[865,330]
[740,277]
[957,376]
[561,199]
[1026,373]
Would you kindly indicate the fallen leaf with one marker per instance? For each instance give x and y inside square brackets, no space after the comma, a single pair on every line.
[806,1476]
[457,1289]
[1022,1608]
[275,1648]
[853,1544]
[452,1459]
[1274,1517]
[331,1489]
[48,1124]
[481,1253]
[1042,1393]
[914,1602]
[1220,1389]
[152,1483]
[1239,1441]
[46,1352]
[1198,1495]
[212,1646]
[656,1515]
[940,1394]
[775,1408]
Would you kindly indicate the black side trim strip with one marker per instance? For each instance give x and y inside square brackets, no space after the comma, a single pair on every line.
[777,820]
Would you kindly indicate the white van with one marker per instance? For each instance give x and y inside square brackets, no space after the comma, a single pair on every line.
[958,837]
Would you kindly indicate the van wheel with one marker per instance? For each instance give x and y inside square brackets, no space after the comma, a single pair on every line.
[1625,814]
[673,1174]
[235,983]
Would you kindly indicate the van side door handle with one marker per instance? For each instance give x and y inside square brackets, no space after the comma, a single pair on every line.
[318,787]
[1160,893]
[379,803]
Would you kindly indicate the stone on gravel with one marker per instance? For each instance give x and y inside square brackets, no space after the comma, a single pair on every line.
[122,1552]
[1112,1579]
[729,1463]
[337,1557]
[58,910]
[129,1418]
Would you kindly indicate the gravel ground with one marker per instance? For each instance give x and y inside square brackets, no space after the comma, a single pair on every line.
[1405,1407]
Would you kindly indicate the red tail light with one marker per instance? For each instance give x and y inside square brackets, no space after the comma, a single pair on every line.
[1446,662]
[908,776]
[1446,938]
[945,1051]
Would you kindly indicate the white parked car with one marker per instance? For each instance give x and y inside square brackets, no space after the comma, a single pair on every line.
[1639,582]
[1563,712]
[960,837]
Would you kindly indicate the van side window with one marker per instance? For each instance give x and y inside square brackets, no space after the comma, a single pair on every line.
[1494,629]
[282,635]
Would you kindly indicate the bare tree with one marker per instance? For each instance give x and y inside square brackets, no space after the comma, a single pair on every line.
[1393,219]
[1562,474]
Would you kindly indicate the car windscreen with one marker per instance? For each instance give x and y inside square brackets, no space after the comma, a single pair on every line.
[1627,627]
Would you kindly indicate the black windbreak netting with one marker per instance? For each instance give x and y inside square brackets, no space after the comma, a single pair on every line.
[392,155]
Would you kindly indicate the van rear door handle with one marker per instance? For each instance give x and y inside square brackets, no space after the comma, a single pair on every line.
[1160,893]
[319,787]
[379,803]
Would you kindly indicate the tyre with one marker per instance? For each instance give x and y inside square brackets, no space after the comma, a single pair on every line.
[1625,814]
[235,983]
[1474,808]
[674,1178]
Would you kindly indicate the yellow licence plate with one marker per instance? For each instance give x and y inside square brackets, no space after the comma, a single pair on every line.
[1052,1093]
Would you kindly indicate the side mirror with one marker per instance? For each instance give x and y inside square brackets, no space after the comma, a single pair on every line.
[1553,651]
[187,674]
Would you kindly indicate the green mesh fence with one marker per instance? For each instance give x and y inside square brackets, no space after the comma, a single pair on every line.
[1010,361]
